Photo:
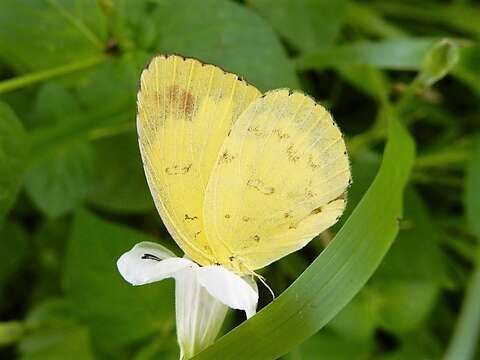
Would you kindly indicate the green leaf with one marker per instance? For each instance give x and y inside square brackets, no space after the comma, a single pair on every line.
[56,334]
[119,181]
[49,244]
[358,319]
[53,104]
[132,25]
[114,82]
[467,67]
[56,32]
[328,346]
[472,189]
[455,15]
[387,300]
[438,62]
[465,337]
[59,183]
[435,57]
[63,166]
[107,95]
[368,79]
[404,304]
[405,295]
[13,250]
[116,312]
[419,232]
[419,345]
[392,54]
[305,24]
[13,151]
[337,274]
[226,34]
[59,186]
[365,18]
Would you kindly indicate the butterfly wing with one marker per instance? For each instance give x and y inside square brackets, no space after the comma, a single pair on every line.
[185,110]
[279,180]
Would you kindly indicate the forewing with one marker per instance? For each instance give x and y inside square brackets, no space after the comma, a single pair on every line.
[185,110]
[279,180]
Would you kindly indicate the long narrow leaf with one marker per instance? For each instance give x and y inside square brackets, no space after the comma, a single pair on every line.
[465,337]
[334,278]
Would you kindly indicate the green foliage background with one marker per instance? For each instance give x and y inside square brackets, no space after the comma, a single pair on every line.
[73,196]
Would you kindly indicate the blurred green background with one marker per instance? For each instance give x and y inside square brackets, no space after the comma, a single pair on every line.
[73,195]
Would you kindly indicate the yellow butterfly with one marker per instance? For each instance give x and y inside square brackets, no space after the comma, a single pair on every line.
[240,179]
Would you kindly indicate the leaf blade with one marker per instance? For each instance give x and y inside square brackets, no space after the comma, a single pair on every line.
[337,274]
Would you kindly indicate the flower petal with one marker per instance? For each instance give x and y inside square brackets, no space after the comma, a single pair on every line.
[229,288]
[148,247]
[199,315]
[149,262]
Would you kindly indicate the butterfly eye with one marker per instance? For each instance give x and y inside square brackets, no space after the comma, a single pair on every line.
[151,257]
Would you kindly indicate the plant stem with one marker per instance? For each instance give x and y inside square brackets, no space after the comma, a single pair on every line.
[32,78]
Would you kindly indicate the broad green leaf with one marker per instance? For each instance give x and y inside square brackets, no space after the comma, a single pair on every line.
[50,243]
[358,319]
[13,250]
[421,233]
[337,274]
[56,334]
[63,162]
[73,344]
[115,177]
[227,34]
[119,181]
[387,300]
[405,295]
[132,25]
[43,34]
[116,312]
[404,304]
[305,24]
[165,349]
[418,345]
[13,151]
[113,83]
[58,184]
[107,96]
[53,104]
[328,346]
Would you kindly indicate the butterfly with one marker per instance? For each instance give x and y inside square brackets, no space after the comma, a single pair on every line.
[239,178]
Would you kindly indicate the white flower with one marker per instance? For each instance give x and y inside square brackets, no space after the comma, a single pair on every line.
[202,293]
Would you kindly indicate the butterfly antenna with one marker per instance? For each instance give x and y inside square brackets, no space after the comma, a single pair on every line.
[262,280]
